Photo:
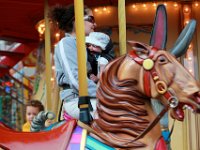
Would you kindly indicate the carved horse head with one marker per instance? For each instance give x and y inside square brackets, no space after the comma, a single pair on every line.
[124,113]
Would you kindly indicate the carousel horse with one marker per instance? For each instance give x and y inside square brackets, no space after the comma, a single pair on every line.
[125,118]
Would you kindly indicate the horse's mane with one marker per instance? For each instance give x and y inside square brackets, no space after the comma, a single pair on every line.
[120,110]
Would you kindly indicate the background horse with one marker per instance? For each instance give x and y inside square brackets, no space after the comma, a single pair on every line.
[125,118]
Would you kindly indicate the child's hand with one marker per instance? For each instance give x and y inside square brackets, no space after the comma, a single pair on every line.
[94,78]
[48,122]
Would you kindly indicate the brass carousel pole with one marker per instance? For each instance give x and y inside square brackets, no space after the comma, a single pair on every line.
[122,26]
[47,57]
[80,37]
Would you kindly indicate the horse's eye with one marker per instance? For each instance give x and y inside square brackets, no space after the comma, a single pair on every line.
[162,59]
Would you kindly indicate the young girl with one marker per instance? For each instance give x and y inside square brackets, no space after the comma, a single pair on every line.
[33,107]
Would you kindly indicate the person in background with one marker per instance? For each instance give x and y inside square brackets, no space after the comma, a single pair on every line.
[65,57]
[100,52]
[33,107]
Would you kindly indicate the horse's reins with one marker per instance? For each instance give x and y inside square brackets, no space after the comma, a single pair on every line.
[161,87]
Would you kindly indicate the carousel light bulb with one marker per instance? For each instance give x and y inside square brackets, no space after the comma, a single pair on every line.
[57,35]
[190,70]
[175,4]
[186,22]
[53,67]
[196,4]
[134,6]
[104,8]
[154,4]
[144,5]
[186,10]
[96,10]
[40,26]
[165,4]
[52,79]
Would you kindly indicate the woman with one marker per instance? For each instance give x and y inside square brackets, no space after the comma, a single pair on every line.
[66,57]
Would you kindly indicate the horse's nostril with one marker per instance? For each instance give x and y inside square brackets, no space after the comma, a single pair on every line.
[196,97]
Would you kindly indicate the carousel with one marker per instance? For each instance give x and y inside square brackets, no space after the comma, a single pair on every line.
[140,94]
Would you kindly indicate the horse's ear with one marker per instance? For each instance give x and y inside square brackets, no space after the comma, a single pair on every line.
[184,39]
[139,47]
[159,31]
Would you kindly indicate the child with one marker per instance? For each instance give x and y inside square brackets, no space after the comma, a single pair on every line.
[99,46]
[33,107]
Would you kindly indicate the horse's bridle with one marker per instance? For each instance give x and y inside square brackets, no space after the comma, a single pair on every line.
[161,86]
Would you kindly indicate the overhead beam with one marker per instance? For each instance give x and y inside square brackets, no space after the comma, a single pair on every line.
[9,35]
[11,53]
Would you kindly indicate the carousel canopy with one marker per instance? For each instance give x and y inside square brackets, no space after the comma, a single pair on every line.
[19,17]
[18,22]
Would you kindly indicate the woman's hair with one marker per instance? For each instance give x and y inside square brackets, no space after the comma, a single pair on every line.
[64,16]
[35,103]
